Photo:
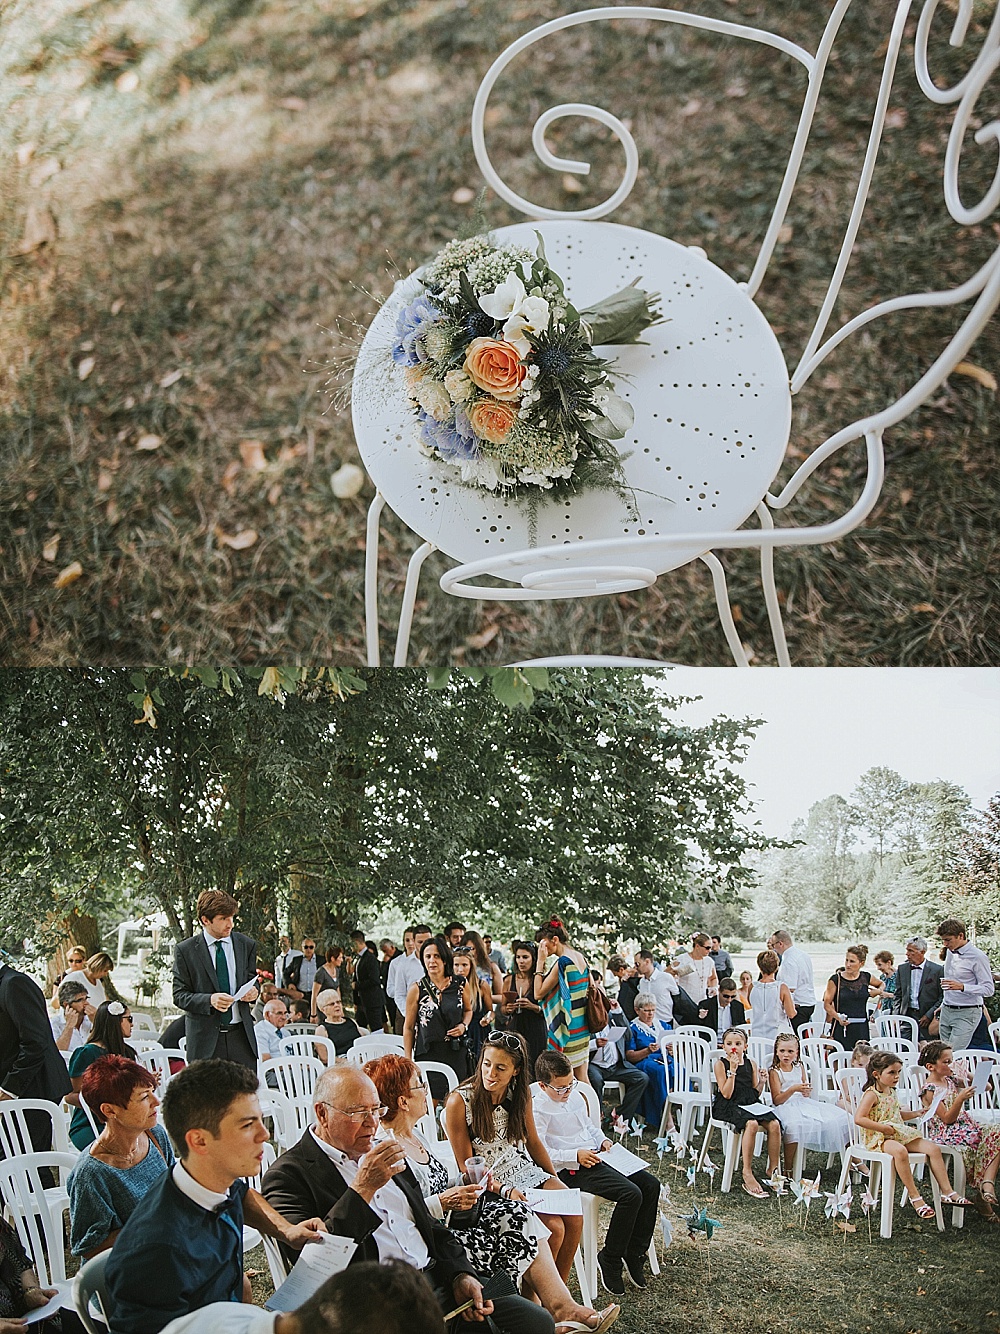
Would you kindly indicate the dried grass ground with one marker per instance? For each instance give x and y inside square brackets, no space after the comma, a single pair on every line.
[762,1274]
[194,192]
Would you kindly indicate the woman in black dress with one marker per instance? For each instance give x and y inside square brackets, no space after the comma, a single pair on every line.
[739,1088]
[522,1013]
[19,1289]
[846,999]
[438,1014]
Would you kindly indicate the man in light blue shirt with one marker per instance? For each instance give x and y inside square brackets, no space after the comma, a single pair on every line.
[967,982]
[406,969]
[271,1043]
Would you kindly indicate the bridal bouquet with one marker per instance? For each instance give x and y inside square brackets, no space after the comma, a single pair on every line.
[501,371]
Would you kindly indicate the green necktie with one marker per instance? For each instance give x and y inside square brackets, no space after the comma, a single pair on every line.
[222,973]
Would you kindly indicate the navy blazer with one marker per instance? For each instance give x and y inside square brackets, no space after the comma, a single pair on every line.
[195,982]
[31,1065]
[305,1183]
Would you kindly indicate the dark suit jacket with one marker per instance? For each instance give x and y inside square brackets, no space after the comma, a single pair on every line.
[931,991]
[31,1065]
[305,1183]
[368,987]
[195,981]
[737,1013]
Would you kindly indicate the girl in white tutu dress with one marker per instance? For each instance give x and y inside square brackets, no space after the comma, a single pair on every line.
[804,1120]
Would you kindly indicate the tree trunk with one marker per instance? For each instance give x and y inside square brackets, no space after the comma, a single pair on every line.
[81,929]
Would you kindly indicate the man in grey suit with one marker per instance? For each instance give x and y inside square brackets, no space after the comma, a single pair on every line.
[209,969]
[918,986]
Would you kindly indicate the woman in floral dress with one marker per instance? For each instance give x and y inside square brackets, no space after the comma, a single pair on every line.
[951,1124]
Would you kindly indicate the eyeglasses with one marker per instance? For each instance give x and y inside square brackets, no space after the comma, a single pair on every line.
[509,1040]
[560,1089]
[416,1088]
[358,1114]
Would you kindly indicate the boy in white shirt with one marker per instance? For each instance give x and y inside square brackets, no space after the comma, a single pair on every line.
[574,1144]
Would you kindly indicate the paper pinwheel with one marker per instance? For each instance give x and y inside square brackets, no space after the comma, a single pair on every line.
[699,1221]
[778,1183]
[662,1143]
[666,1230]
[868,1201]
[664,1194]
[709,1167]
[691,1173]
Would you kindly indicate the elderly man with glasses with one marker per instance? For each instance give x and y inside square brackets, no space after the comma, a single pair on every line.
[364,1189]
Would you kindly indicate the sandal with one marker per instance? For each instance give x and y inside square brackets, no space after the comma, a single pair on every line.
[956,1201]
[758,1194]
[920,1206]
[606,1319]
[988,1192]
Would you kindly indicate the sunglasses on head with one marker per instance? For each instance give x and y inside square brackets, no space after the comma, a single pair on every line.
[508,1040]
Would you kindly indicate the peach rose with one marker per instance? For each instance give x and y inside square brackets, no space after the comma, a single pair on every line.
[495,367]
[492,420]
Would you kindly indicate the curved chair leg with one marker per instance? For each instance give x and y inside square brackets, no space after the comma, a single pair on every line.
[771,592]
[725,611]
[409,602]
[371,579]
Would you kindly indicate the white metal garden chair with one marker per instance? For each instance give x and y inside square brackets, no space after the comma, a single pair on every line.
[711,389]
[982,1107]
[894,1026]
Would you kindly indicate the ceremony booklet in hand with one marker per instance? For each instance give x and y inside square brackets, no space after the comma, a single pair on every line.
[317,1262]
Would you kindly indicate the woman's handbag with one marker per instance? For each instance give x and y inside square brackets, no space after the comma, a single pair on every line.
[597,1008]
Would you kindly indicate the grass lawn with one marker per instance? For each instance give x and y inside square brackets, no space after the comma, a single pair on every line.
[203,200]
[763,1274]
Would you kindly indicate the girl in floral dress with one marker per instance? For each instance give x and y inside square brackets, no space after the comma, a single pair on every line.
[951,1124]
[883,1127]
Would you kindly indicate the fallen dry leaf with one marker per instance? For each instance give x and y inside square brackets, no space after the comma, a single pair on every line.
[39,229]
[274,493]
[24,153]
[977,373]
[347,481]
[44,171]
[149,441]
[170,378]
[463,195]
[691,108]
[896,118]
[924,606]
[104,480]
[183,85]
[572,184]
[906,495]
[127,82]
[484,637]
[246,537]
[85,367]
[117,305]
[293,103]
[785,233]
[68,576]
[252,454]
[51,548]
[229,477]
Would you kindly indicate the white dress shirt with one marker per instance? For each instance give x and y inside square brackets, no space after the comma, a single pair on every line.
[404,970]
[230,957]
[663,988]
[81,1033]
[398,1238]
[970,966]
[564,1127]
[796,971]
[916,973]
[281,963]
[224,1318]
[272,1042]
[206,1199]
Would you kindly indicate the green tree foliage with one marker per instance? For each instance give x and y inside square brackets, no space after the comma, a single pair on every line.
[887,861]
[344,794]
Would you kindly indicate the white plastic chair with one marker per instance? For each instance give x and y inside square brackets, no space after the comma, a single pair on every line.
[143,1027]
[370,1048]
[982,1107]
[807,1031]
[88,1287]
[299,1030]
[589,1244]
[818,1055]
[157,1061]
[717,345]
[39,1222]
[906,1050]
[882,1167]
[15,1141]
[894,1026]
[290,1097]
[994,1032]
[302,1044]
[761,1050]
[689,1087]
[702,1031]
[731,1142]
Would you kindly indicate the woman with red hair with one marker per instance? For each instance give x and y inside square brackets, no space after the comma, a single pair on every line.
[131,1153]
